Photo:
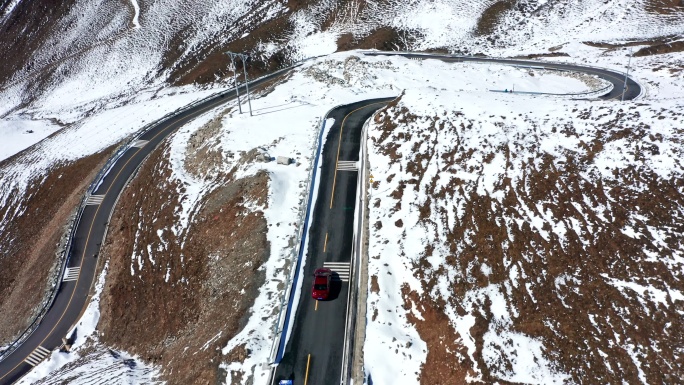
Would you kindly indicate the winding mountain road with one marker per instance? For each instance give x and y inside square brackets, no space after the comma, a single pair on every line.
[315,348]
[314,353]
[73,293]
[632,89]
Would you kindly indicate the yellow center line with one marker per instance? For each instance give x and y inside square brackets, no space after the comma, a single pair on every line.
[83,257]
[624,91]
[316,308]
[339,145]
[325,245]
[306,377]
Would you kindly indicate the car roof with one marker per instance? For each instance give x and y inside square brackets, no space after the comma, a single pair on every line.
[321,279]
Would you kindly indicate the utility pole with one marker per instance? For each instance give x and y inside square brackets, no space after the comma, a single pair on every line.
[244,68]
[624,86]
[244,58]
[232,63]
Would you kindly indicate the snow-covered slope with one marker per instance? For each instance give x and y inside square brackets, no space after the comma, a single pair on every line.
[85,75]
[432,173]
[540,239]
[127,46]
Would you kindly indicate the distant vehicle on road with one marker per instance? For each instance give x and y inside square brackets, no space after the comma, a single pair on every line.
[321,284]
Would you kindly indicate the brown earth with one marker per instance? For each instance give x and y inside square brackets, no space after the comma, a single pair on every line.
[204,66]
[29,26]
[571,303]
[491,16]
[666,44]
[443,364]
[210,61]
[660,49]
[600,44]
[665,7]
[31,241]
[383,38]
[179,311]
[33,23]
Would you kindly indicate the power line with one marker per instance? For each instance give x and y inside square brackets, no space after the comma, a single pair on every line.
[243,57]
[624,86]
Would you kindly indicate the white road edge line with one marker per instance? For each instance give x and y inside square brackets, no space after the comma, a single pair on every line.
[355,252]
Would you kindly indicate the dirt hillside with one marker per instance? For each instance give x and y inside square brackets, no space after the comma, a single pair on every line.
[176,299]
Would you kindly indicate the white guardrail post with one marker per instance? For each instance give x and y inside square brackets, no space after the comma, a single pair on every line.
[491,58]
[124,147]
[277,330]
[93,186]
[357,250]
[301,215]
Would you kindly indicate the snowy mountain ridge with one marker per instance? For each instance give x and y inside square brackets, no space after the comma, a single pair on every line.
[515,213]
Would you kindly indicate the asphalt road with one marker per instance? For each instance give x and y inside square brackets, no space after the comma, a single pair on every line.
[313,355]
[632,89]
[314,350]
[72,296]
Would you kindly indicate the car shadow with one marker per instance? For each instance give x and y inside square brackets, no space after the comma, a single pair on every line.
[335,286]
[285,369]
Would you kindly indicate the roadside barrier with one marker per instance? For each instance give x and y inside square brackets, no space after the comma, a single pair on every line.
[125,146]
[281,323]
[280,328]
[586,95]
[532,64]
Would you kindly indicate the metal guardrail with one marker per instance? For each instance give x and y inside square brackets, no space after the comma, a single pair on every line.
[279,332]
[93,186]
[126,145]
[487,58]
[357,250]
[643,91]
[589,94]
[277,328]
[533,63]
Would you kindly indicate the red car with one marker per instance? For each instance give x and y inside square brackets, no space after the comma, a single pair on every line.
[321,284]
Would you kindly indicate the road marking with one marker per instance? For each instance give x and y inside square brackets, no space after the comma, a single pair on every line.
[339,145]
[306,377]
[341,268]
[325,245]
[624,91]
[600,72]
[71,274]
[94,200]
[316,308]
[347,165]
[37,356]
[178,123]
[140,143]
